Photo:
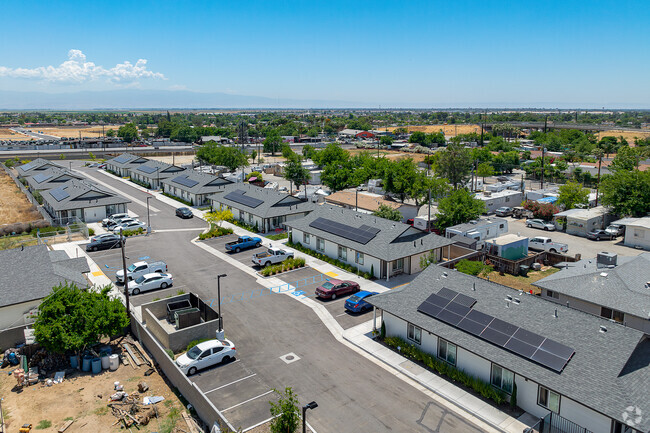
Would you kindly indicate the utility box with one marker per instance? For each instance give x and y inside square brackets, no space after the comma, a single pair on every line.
[510,246]
[187,317]
[172,307]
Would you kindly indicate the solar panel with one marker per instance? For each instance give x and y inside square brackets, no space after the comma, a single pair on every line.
[557,349]
[471,326]
[447,293]
[59,194]
[520,348]
[42,177]
[528,337]
[239,197]
[28,166]
[359,235]
[449,317]
[457,308]
[465,300]
[369,229]
[184,180]
[503,327]
[147,169]
[122,159]
[429,309]
[482,318]
[549,360]
[494,337]
[437,300]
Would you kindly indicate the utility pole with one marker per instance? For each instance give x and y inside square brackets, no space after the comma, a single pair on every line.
[600,160]
[220,331]
[543,148]
[126,278]
[429,212]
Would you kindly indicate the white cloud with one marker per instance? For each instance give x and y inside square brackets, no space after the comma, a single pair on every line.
[78,70]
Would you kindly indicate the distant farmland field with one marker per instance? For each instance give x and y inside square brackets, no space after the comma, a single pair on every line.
[449,130]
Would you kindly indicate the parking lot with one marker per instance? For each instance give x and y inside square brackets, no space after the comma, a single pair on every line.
[280,342]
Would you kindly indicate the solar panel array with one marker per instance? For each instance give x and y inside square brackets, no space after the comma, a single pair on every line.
[122,159]
[59,193]
[42,177]
[185,181]
[147,169]
[239,196]
[362,235]
[455,309]
[28,166]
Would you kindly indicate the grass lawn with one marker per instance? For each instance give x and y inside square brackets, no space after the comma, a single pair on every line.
[522,283]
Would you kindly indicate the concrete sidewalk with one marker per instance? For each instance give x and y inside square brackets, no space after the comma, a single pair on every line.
[361,336]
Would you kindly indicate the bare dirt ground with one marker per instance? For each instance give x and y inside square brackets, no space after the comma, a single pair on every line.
[14,206]
[392,154]
[83,397]
[449,130]
[86,131]
[629,136]
[7,134]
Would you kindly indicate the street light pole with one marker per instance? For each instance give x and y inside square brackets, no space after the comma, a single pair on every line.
[312,405]
[220,332]
[148,218]
[126,278]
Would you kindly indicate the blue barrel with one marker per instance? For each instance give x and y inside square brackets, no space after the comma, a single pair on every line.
[74,361]
[85,364]
[97,365]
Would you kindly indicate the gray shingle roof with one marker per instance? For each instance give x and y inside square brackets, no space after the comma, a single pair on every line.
[82,194]
[31,273]
[36,165]
[465,227]
[274,203]
[395,240]
[126,160]
[53,177]
[608,372]
[207,183]
[155,169]
[623,288]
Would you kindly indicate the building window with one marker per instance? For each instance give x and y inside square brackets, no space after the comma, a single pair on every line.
[414,333]
[398,264]
[622,428]
[447,351]
[343,253]
[359,258]
[552,294]
[502,378]
[611,314]
[320,244]
[507,199]
[250,218]
[549,399]
[305,238]
[501,226]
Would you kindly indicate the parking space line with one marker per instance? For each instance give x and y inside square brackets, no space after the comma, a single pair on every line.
[342,314]
[249,400]
[231,383]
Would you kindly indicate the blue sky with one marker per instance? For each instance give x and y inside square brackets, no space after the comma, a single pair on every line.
[402,53]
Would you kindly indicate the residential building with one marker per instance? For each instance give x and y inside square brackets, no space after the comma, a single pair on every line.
[579,368]
[51,178]
[349,133]
[152,172]
[481,229]
[375,245]
[36,166]
[637,232]
[123,164]
[28,275]
[366,202]
[194,186]
[611,286]
[82,200]
[509,246]
[495,200]
[581,221]
[262,207]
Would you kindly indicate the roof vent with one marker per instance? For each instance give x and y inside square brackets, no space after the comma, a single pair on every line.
[555,314]
[603,274]
[516,301]
[647,285]
[474,286]
[603,329]
[507,304]
[444,275]
[509,298]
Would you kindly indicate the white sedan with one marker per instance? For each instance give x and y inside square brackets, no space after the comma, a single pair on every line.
[206,354]
[131,225]
[155,280]
[540,224]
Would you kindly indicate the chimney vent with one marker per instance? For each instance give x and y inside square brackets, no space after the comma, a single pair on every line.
[555,314]
[603,329]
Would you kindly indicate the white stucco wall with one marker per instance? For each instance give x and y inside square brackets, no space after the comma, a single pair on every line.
[12,315]
[585,417]
[94,214]
[637,236]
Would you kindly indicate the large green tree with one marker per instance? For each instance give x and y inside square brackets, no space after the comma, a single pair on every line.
[72,319]
[388,213]
[454,164]
[418,137]
[128,132]
[296,173]
[273,142]
[458,207]
[627,192]
[215,154]
[572,194]
[484,170]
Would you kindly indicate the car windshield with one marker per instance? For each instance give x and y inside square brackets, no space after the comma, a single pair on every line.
[354,299]
[139,279]
[194,352]
[131,268]
[327,285]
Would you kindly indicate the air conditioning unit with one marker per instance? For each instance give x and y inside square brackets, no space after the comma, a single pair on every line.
[606,259]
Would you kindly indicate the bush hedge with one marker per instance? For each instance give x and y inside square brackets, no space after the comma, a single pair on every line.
[287,265]
[330,260]
[127,233]
[472,267]
[185,202]
[215,232]
[246,226]
[137,182]
[480,386]
[91,232]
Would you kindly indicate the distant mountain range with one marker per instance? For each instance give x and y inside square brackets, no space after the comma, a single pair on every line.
[151,99]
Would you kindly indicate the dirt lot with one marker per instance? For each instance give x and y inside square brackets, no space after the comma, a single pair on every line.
[83,397]
[7,134]
[629,136]
[523,283]
[392,154]
[449,130]
[14,206]
[86,131]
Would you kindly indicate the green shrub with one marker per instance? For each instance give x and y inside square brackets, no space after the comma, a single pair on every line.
[91,232]
[195,342]
[245,226]
[471,267]
[278,237]
[215,232]
[43,424]
[287,265]
[382,331]
[413,352]
[170,353]
[127,233]
[10,163]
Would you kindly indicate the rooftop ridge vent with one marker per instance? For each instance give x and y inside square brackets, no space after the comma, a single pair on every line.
[603,329]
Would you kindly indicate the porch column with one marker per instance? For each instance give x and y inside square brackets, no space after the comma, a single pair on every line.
[374,318]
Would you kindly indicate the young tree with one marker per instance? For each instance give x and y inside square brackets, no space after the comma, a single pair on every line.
[458,207]
[286,412]
[71,319]
[386,140]
[296,173]
[627,159]
[231,157]
[571,194]
[308,151]
[454,164]
[388,213]
[484,170]
[253,155]
[436,139]
[218,216]
[272,142]
[110,133]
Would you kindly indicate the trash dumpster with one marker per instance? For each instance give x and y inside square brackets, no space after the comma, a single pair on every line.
[523,270]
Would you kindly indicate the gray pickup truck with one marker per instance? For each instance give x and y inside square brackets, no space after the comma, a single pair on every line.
[271,257]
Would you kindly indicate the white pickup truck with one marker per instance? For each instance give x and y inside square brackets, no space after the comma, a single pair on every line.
[271,257]
[139,269]
[541,243]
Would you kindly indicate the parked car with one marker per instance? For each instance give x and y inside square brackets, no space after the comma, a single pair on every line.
[106,243]
[119,221]
[150,282]
[271,257]
[357,302]
[520,212]
[541,243]
[598,234]
[615,229]
[139,269]
[114,217]
[333,288]
[184,212]
[540,224]
[206,354]
[102,236]
[243,243]
[131,225]
[504,211]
